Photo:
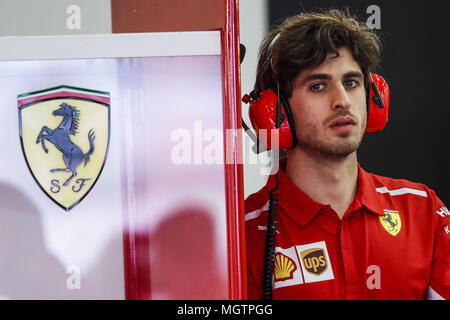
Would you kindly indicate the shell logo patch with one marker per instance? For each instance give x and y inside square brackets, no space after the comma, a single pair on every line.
[64,133]
[301,264]
[284,267]
[391,222]
[286,271]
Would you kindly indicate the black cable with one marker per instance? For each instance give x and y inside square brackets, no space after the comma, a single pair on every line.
[269,255]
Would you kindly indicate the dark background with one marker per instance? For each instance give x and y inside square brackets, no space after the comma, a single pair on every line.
[415,62]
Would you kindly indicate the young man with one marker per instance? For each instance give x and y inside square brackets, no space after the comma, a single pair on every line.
[341,232]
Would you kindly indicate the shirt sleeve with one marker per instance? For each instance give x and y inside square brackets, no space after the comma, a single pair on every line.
[253,287]
[254,263]
[440,270]
[255,242]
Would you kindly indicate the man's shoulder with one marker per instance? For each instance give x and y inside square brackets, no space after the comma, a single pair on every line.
[254,200]
[395,183]
[394,187]
[413,201]
[405,195]
[255,204]
[256,213]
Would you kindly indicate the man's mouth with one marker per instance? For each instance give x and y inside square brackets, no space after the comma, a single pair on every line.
[342,124]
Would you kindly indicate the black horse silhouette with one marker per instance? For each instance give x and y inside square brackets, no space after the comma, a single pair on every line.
[388,219]
[60,137]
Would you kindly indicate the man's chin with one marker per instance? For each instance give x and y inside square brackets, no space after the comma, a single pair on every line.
[341,151]
[337,150]
[344,134]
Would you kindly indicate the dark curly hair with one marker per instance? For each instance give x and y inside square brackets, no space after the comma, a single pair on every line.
[304,41]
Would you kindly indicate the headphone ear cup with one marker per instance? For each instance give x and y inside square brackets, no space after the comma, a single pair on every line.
[378,104]
[263,114]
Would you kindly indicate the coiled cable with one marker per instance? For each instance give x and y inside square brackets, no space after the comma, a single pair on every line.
[269,255]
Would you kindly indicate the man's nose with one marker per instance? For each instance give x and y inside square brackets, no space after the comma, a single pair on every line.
[341,99]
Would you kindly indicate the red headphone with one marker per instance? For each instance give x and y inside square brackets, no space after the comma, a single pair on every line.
[263,113]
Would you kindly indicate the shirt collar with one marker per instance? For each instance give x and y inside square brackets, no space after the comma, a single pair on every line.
[367,194]
[297,204]
[300,207]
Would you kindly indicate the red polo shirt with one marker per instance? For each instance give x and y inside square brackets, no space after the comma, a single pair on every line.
[392,243]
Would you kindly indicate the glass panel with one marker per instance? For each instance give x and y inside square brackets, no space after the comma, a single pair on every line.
[163,177]
[173,163]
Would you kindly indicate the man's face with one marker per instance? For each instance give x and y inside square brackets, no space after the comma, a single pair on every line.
[329,106]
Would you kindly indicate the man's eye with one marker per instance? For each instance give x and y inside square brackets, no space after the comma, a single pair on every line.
[351,83]
[317,87]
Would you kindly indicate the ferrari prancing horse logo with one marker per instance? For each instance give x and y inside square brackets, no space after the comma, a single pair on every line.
[65,135]
[391,222]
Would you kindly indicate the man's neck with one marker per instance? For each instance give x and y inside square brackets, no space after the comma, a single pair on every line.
[325,180]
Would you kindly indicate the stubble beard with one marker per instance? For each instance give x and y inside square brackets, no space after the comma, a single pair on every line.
[307,139]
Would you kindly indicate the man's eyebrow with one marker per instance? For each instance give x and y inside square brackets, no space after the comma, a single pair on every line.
[317,76]
[353,74]
[324,76]
[314,76]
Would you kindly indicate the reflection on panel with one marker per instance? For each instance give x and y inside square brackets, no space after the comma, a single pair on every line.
[176,207]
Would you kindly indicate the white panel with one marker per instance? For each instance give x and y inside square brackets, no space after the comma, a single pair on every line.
[150,99]
[39,241]
[111,45]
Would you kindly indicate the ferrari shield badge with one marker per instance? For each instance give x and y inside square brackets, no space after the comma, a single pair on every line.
[64,133]
[391,222]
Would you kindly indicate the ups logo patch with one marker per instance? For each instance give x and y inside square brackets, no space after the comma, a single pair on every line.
[314,261]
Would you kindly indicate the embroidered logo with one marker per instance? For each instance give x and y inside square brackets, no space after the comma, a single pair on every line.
[447,229]
[314,261]
[443,212]
[286,271]
[284,267]
[391,222]
[310,260]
